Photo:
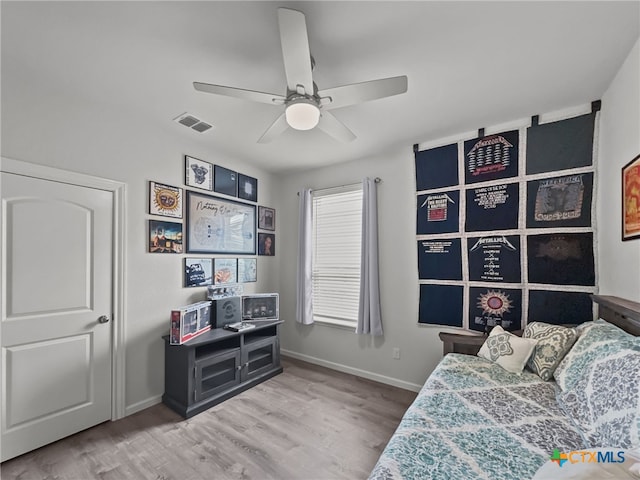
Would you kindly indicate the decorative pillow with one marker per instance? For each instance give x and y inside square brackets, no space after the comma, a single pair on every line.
[507,350]
[554,341]
[604,401]
[594,341]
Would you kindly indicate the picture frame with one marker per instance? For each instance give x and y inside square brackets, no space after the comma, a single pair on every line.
[225,270]
[631,200]
[219,226]
[247,188]
[198,272]
[165,237]
[165,200]
[267,244]
[247,270]
[225,181]
[198,173]
[266,218]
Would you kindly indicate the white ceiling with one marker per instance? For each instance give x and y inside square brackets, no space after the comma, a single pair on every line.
[469,64]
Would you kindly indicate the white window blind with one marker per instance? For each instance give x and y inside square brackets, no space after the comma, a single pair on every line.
[337,230]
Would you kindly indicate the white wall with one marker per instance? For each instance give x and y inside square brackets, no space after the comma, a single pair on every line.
[54,129]
[420,346]
[619,261]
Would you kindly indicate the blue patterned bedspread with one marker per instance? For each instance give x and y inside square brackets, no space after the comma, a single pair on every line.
[474,420]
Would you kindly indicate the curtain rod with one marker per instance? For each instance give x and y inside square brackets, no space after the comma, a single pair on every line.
[377,180]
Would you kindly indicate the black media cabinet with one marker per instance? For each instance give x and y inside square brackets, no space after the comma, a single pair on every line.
[217,365]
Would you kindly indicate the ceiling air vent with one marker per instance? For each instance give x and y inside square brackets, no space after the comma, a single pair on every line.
[192,122]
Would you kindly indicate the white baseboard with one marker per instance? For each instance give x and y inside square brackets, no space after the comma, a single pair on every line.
[414,387]
[136,407]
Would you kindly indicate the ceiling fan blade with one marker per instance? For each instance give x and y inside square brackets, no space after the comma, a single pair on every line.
[278,127]
[334,127]
[362,92]
[295,49]
[261,97]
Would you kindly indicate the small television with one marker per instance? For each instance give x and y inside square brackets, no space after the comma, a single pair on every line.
[263,306]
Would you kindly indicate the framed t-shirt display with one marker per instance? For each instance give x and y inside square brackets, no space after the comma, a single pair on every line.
[514,236]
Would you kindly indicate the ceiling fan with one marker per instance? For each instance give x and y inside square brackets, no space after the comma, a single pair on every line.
[306,107]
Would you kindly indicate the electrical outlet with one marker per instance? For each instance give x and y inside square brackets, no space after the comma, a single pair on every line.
[396,353]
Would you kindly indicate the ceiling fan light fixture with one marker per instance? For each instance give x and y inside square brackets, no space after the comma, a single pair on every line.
[302,114]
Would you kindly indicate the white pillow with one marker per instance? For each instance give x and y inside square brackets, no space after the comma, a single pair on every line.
[507,350]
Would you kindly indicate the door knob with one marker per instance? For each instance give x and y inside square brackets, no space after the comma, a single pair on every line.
[103,319]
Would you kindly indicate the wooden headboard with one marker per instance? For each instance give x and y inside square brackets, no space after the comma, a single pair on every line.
[623,313]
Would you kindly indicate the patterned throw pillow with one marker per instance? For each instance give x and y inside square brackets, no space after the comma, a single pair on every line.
[507,350]
[554,341]
[594,339]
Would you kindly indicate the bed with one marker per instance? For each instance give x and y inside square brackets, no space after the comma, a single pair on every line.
[475,420]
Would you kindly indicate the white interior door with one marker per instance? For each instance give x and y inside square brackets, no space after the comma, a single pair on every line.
[55,366]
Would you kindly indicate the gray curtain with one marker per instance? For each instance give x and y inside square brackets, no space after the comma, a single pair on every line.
[369,312]
[304,284]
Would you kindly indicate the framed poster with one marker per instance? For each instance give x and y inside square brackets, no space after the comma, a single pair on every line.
[225,181]
[631,199]
[225,270]
[218,225]
[197,272]
[165,237]
[165,200]
[266,244]
[266,218]
[247,270]
[198,173]
[247,188]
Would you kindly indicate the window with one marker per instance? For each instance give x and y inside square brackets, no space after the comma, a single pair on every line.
[337,230]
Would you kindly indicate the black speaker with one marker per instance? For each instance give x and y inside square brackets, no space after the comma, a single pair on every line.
[225,311]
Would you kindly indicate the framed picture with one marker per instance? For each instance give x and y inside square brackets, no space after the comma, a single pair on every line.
[218,225]
[165,200]
[247,270]
[225,181]
[198,272]
[631,199]
[165,237]
[267,244]
[198,173]
[247,188]
[225,270]
[266,218]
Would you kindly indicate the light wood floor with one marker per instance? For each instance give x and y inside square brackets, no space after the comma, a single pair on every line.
[307,423]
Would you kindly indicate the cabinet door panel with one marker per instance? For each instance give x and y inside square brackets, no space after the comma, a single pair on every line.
[259,357]
[217,373]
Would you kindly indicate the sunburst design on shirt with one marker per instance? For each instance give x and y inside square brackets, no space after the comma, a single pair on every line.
[494,303]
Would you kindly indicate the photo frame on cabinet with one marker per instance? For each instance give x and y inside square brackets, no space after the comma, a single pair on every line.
[165,237]
[219,225]
[247,187]
[198,173]
[165,200]
[266,218]
[225,181]
[631,200]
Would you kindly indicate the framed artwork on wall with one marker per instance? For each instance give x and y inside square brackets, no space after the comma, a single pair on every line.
[225,270]
[225,181]
[266,218]
[247,188]
[631,200]
[198,272]
[219,225]
[198,173]
[266,244]
[165,200]
[165,237]
[247,270]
